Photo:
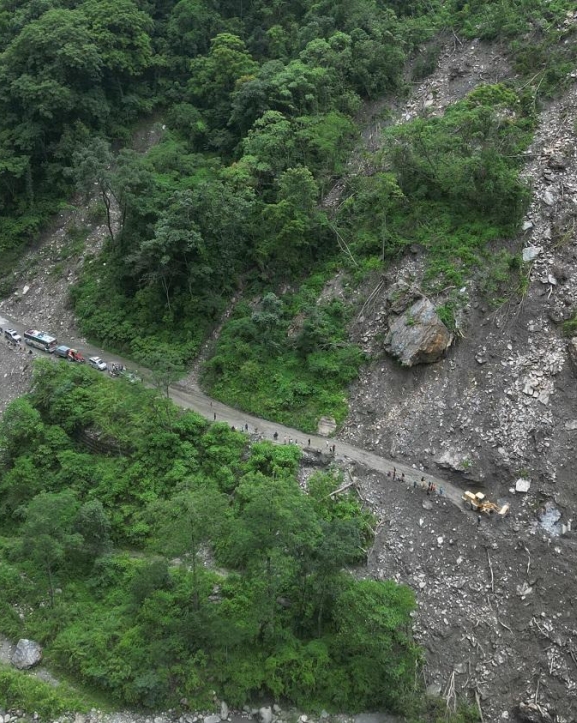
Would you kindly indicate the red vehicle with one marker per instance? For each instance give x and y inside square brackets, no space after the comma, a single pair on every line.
[65,352]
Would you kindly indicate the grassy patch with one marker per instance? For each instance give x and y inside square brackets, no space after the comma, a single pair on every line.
[570,326]
[22,690]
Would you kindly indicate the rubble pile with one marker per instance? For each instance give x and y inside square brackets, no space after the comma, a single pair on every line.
[492,598]
[499,409]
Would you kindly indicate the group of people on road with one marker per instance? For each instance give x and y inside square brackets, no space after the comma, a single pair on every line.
[430,487]
[18,346]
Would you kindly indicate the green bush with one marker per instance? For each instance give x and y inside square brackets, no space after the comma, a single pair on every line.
[28,693]
[263,364]
[231,578]
[570,326]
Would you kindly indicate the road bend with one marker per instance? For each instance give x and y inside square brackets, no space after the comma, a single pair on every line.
[213,410]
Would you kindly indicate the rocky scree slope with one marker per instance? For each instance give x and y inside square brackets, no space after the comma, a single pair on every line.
[503,403]
[496,610]
[494,602]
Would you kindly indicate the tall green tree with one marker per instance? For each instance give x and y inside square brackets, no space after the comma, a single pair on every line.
[184,523]
[214,77]
[48,534]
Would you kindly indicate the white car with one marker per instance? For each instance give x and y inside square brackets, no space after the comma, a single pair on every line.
[98,363]
[12,335]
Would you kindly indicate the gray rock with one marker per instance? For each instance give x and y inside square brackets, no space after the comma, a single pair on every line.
[326,426]
[265,714]
[531,252]
[418,336]
[451,459]
[223,711]
[400,295]
[434,690]
[572,351]
[549,198]
[27,654]
[212,719]
[558,162]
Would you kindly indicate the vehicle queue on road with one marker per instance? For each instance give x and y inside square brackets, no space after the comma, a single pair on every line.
[48,343]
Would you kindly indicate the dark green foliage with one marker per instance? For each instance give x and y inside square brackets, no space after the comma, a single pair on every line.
[450,184]
[63,72]
[235,580]
[570,326]
[286,360]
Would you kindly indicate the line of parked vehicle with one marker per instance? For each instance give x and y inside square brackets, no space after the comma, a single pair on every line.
[46,342]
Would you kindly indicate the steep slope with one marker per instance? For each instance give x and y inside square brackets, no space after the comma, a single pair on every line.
[501,405]
[503,401]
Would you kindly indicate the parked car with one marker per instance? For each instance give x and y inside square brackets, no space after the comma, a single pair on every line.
[97,363]
[12,335]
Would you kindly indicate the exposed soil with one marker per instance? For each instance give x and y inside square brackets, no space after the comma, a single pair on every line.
[495,602]
[501,406]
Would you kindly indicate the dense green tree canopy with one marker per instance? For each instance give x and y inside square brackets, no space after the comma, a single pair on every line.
[234,577]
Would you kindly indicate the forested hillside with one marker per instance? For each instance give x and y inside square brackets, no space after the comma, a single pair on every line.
[158,556]
[260,103]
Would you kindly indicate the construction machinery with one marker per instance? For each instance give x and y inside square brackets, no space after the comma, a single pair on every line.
[479,503]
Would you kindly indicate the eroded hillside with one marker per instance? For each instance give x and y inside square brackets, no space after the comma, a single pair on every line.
[495,614]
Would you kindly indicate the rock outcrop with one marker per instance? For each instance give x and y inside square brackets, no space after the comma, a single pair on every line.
[418,336]
[27,654]
[572,351]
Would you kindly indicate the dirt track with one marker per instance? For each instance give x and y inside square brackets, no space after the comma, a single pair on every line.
[495,598]
[199,402]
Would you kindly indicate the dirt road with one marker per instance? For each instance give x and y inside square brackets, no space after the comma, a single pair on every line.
[213,410]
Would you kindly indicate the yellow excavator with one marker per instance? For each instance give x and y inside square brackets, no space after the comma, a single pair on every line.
[479,503]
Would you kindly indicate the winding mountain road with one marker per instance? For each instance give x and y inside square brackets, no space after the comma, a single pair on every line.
[214,410]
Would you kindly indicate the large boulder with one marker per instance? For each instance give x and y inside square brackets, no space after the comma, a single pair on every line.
[265,714]
[27,654]
[401,295]
[418,336]
[453,460]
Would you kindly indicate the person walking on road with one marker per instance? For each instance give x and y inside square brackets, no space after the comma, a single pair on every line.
[275,436]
